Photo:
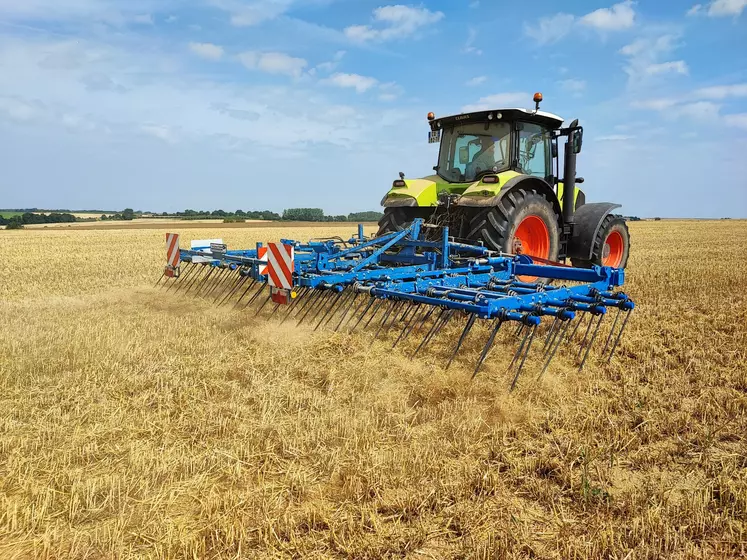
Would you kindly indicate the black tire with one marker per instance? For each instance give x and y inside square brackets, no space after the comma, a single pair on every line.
[611,223]
[398,218]
[496,226]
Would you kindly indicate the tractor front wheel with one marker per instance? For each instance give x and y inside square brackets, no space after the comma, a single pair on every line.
[398,218]
[611,245]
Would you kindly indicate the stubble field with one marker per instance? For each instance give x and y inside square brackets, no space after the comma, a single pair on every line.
[138,424]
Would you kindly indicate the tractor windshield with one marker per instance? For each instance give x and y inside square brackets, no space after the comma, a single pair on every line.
[471,149]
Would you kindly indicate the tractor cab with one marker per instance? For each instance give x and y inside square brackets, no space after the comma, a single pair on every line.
[492,142]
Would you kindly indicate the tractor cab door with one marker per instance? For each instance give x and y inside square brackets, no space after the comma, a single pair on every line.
[534,151]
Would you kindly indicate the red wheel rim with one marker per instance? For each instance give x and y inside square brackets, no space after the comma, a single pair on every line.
[614,248]
[534,237]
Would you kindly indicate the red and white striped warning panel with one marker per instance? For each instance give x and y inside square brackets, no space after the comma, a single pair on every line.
[280,265]
[262,255]
[172,249]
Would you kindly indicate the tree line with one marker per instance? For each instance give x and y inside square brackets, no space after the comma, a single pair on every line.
[20,220]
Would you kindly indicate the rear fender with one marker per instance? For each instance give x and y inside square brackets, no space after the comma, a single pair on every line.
[587,221]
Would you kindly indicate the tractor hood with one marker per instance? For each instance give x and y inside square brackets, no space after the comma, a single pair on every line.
[424,192]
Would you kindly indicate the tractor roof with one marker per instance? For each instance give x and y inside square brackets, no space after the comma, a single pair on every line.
[540,117]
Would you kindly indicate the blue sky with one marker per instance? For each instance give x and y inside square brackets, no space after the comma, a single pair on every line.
[170,104]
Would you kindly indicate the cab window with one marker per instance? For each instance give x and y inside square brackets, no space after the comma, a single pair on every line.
[534,150]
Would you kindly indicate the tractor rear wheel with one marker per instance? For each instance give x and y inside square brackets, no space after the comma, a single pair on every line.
[523,222]
[611,245]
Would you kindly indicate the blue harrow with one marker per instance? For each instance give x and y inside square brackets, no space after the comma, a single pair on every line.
[402,284]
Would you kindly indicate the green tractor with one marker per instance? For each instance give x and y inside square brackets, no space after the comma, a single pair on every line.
[498,182]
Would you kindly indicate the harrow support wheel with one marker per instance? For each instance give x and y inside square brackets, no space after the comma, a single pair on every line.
[611,245]
[523,222]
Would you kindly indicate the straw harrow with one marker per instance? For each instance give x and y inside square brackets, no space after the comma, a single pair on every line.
[404,285]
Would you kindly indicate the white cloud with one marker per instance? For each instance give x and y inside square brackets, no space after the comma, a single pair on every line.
[143,19]
[620,16]
[615,138]
[699,110]
[207,50]
[719,8]
[389,91]
[17,109]
[722,92]
[476,81]
[330,65]
[469,45]
[660,104]
[393,22]
[550,29]
[696,110]
[677,67]
[738,120]
[159,131]
[357,82]
[247,14]
[273,63]
[498,101]
[572,85]
[645,58]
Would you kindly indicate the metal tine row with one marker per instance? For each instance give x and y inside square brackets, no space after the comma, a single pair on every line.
[347,309]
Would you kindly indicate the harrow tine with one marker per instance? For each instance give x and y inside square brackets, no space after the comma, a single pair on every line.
[348,308]
[199,271]
[550,334]
[161,278]
[392,307]
[467,328]
[227,281]
[419,326]
[416,320]
[182,278]
[236,287]
[219,278]
[219,281]
[327,298]
[256,295]
[518,351]
[523,359]
[370,303]
[575,328]
[487,347]
[346,296]
[379,303]
[612,330]
[591,342]
[203,281]
[315,297]
[261,307]
[562,330]
[441,320]
[249,287]
[622,328]
[335,300]
[295,303]
[408,323]
[199,278]
[586,335]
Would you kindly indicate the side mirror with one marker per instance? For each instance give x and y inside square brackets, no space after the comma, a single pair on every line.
[554,150]
[464,155]
[578,139]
